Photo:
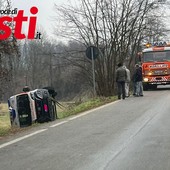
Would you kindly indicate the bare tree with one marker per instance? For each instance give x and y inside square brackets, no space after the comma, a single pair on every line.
[8,53]
[116,27]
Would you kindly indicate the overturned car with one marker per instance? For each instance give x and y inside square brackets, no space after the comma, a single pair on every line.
[38,105]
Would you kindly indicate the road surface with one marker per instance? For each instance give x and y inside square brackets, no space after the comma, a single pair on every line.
[131,134]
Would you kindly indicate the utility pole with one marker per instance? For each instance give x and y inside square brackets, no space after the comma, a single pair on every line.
[92,53]
[51,71]
[93,70]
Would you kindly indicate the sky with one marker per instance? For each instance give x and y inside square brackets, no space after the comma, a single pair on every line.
[45,13]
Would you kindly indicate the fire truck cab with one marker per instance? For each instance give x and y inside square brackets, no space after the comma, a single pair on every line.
[155,65]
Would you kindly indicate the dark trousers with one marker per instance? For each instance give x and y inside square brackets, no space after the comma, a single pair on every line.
[134,88]
[121,89]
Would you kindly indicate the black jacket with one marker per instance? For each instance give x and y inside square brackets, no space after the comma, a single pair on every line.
[138,74]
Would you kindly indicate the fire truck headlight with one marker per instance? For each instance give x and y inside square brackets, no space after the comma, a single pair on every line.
[146,79]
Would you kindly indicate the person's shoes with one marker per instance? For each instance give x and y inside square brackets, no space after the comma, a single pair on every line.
[123,98]
[119,98]
[141,95]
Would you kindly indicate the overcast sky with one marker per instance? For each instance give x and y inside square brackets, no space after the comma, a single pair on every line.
[46,10]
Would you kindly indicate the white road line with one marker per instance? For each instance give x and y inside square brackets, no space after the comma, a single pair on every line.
[80,115]
[21,138]
[87,112]
[59,124]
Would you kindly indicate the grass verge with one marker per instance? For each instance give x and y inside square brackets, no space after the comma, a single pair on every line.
[75,108]
[4,120]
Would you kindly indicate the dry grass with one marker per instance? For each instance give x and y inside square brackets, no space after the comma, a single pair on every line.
[4,119]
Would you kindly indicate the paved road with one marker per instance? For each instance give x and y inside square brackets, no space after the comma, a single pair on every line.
[131,134]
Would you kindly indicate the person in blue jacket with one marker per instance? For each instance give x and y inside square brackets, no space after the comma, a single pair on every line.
[138,80]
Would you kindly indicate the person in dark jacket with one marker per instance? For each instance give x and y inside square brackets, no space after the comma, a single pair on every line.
[134,83]
[138,79]
[121,77]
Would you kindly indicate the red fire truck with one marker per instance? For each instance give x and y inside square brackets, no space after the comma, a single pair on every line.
[156,65]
